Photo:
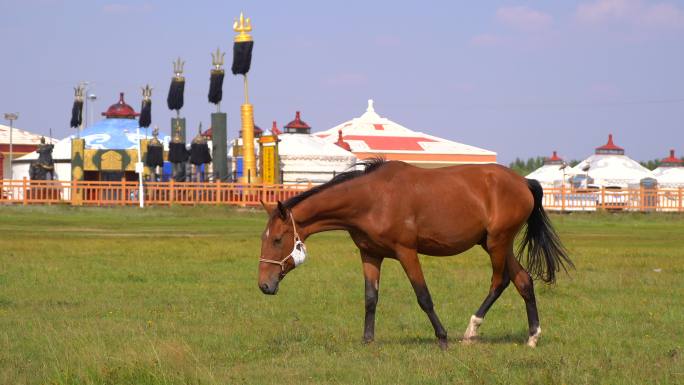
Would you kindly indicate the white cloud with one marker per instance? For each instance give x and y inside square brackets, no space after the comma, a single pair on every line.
[119,8]
[485,40]
[346,79]
[636,12]
[523,17]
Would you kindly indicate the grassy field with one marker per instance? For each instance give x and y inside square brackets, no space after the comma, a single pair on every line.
[169,296]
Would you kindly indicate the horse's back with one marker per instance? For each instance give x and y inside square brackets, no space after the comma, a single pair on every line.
[453,208]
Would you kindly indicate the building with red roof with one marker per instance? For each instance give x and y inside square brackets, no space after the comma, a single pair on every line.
[371,135]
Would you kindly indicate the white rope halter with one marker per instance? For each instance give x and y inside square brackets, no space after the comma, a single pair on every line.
[298,253]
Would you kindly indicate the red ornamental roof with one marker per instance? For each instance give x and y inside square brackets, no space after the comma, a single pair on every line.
[298,123]
[672,159]
[120,110]
[554,159]
[208,133]
[610,148]
[340,141]
[274,129]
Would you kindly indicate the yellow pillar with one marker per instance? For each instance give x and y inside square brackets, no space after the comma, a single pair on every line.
[249,168]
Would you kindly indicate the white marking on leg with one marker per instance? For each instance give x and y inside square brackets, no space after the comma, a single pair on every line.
[534,338]
[471,331]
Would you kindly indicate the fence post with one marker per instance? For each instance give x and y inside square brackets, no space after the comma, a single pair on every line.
[25,188]
[563,197]
[603,197]
[123,191]
[679,209]
[172,193]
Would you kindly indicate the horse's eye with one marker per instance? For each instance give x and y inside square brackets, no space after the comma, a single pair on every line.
[277,241]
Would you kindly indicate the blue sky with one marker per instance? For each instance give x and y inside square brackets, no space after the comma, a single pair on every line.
[521,78]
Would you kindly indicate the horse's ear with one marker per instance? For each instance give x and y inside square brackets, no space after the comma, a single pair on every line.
[269,207]
[282,211]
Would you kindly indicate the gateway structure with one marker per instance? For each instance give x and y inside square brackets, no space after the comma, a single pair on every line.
[371,135]
[610,167]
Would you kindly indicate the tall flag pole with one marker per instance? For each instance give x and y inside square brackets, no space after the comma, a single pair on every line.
[242,60]
[219,125]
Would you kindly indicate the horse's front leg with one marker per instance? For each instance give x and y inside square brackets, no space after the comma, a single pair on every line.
[409,261]
[371,272]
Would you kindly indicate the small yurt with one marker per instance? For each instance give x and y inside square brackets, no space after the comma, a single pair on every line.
[610,167]
[670,173]
[306,158]
[552,173]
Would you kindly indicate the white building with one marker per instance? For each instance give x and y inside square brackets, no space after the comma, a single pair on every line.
[552,173]
[371,135]
[609,166]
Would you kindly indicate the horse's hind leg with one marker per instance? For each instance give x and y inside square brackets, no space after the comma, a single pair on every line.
[371,273]
[498,252]
[409,261]
[523,282]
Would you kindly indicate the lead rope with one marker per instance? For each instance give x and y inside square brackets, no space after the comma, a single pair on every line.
[282,261]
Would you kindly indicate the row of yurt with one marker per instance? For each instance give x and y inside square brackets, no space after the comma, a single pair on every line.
[610,167]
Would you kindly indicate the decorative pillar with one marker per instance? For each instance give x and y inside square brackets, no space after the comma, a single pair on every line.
[219,142]
[77,172]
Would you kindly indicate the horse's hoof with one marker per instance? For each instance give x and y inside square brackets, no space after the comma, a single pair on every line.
[534,338]
[470,341]
[367,340]
[443,344]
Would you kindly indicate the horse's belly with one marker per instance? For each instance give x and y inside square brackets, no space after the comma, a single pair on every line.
[443,246]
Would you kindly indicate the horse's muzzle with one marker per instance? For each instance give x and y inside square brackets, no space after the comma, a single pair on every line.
[269,288]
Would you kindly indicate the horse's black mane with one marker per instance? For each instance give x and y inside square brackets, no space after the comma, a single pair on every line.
[370,165]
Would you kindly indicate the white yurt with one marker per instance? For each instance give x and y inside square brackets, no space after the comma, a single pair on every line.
[609,166]
[305,158]
[670,173]
[552,173]
[371,135]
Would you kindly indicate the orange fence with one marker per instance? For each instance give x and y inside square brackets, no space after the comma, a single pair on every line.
[631,199]
[126,193]
[217,193]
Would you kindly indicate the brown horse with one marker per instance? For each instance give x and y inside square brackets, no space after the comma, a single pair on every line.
[395,210]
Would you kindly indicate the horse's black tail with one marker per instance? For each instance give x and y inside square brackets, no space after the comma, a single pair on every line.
[545,252]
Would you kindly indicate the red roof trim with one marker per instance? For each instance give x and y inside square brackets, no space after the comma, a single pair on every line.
[392,143]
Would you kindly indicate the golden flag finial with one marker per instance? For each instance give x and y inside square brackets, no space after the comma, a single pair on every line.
[147,92]
[242,26]
[217,59]
[178,68]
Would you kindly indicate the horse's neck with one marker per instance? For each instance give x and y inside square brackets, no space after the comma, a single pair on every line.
[334,208]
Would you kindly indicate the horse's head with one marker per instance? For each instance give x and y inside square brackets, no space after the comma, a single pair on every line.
[281,248]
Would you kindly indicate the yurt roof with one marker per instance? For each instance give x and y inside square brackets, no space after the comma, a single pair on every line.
[609,166]
[372,133]
[303,145]
[672,177]
[20,136]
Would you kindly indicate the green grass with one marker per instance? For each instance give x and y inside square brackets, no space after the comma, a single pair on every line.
[169,296]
